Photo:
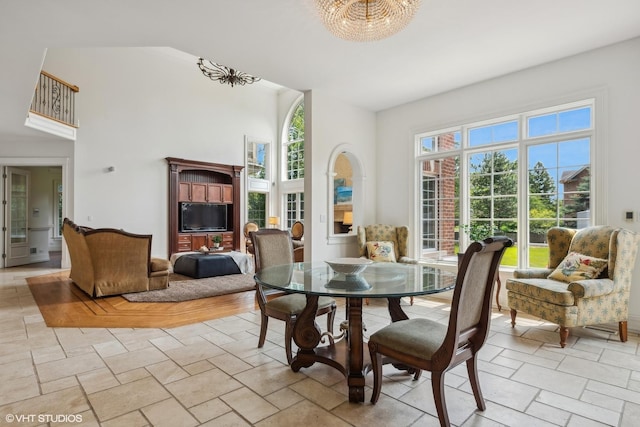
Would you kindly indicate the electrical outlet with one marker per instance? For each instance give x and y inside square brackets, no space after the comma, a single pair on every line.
[628,215]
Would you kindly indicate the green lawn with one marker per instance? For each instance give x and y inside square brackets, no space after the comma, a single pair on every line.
[538,256]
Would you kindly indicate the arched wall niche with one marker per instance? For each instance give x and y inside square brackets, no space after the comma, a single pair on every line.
[345,189]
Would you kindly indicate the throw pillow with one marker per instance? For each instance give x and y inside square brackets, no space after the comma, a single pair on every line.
[381,251]
[576,266]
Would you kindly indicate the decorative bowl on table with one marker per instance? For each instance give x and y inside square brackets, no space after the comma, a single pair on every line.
[349,283]
[349,266]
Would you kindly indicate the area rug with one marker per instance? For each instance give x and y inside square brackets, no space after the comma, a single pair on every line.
[182,288]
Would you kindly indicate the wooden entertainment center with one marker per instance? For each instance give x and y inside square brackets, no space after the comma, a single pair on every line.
[192,181]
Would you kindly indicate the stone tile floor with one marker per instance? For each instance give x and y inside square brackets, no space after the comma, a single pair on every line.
[212,374]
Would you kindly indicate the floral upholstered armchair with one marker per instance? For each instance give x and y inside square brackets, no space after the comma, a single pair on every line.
[381,242]
[384,243]
[587,281]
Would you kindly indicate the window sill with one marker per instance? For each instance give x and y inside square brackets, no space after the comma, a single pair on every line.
[453,266]
[341,239]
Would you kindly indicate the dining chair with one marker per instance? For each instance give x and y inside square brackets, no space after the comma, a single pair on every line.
[436,347]
[249,227]
[274,247]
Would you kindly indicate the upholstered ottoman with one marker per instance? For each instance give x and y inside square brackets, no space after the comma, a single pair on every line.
[199,266]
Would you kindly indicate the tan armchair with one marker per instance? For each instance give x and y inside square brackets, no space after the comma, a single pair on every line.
[564,293]
[107,261]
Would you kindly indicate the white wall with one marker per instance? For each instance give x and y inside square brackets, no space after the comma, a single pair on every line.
[609,74]
[330,123]
[137,107]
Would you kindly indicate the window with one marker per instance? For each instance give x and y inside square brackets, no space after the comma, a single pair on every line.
[295,208]
[493,194]
[295,144]
[292,184]
[257,208]
[258,179]
[559,122]
[439,184]
[257,160]
[472,184]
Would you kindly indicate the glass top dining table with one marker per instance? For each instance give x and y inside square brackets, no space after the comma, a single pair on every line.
[379,280]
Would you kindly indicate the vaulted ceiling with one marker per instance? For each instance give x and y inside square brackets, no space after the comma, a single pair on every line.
[449,44]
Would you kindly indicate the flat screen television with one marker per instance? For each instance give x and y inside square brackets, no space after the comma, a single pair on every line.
[203,217]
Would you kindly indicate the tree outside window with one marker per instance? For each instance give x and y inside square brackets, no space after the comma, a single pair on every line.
[257,208]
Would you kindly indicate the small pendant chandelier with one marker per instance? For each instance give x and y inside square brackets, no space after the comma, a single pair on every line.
[366,20]
[225,74]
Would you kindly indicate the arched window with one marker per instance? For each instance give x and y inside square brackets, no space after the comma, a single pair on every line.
[293,179]
[295,144]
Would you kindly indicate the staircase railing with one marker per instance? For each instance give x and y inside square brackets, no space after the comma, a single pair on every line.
[55,99]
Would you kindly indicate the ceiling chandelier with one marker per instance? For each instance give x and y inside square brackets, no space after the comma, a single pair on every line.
[225,74]
[366,20]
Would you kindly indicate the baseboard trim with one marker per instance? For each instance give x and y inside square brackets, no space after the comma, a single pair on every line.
[633,324]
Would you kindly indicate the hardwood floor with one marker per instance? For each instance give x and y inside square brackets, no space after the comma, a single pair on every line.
[63,304]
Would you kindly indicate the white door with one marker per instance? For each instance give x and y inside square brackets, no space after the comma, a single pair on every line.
[16,216]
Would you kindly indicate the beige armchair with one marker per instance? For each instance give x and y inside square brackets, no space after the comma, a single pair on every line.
[587,281]
[107,261]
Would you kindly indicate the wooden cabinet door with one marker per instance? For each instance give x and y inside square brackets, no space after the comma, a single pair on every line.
[198,240]
[214,193]
[227,193]
[198,192]
[184,192]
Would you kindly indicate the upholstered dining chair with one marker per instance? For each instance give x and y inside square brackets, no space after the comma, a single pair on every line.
[274,247]
[249,227]
[433,346]
[587,280]
[297,231]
